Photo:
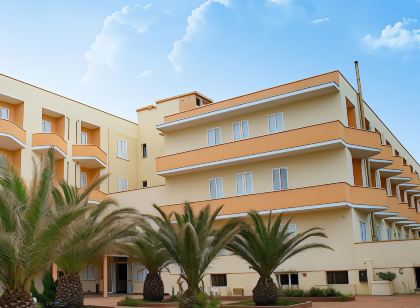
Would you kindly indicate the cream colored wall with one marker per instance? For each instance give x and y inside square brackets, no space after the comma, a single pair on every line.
[35,99]
[148,134]
[296,115]
[304,170]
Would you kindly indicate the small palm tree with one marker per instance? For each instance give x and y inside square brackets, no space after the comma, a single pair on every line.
[267,245]
[88,237]
[154,258]
[30,229]
[192,242]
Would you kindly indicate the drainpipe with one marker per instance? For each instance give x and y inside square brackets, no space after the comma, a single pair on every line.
[363,126]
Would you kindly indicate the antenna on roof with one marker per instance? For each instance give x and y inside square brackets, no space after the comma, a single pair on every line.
[360,97]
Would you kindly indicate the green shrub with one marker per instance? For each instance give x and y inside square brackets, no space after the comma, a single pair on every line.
[47,297]
[204,301]
[129,301]
[291,293]
[388,276]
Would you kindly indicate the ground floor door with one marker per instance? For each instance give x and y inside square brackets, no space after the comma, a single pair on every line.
[417,272]
[121,278]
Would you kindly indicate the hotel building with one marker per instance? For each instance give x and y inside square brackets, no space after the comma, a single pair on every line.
[301,149]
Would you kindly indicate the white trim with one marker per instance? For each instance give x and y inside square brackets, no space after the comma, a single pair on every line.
[258,155]
[46,147]
[414,225]
[396,218]
[305,208]
[13,138]
[90,158]
[393,171]
[373,160]
[246,105]
[384,214]
[404,222]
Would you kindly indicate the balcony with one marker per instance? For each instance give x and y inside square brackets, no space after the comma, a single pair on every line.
[42,142]
[95,197]
[319,137]
[12,136]
[383,159]
[402,209]
[313,198]
[89,156]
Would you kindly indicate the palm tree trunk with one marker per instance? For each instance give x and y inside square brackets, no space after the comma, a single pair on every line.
[153,288]
[16,298]
[265,292]
[70,291]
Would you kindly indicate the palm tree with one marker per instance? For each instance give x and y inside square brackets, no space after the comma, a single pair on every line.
[267,245]
[88,237]
[192,242]
[153,257]
[30,228]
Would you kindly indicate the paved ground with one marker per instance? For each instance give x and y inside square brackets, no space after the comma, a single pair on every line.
[409,301]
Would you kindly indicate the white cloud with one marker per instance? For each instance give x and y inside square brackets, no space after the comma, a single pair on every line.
[396,36]
[108,43]
[144,74]
[148,6]
[320,20]
[194,21]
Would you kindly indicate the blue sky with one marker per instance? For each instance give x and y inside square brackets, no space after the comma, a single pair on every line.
[120,55]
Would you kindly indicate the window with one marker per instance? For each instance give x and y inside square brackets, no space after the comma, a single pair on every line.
[240,130]
[291,228]
[363,276]
[338,277]
[198,102]
[122,184]
[280,179]
[83,138]
[46,126]
[363,231]
[4,113]
[288,280]
[83,180]
[275,122]
[216,188]
[122,149]
[389,234]
[143,184]
[144,150]
[378,230]
[243,183]
[139,272]
[89,273]
[213,136]
[218,280]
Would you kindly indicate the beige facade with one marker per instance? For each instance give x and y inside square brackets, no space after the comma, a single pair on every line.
[297,149]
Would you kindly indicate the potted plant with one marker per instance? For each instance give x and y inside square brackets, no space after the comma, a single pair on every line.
[384,285]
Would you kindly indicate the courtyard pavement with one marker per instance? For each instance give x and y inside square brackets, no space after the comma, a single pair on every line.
[409,301]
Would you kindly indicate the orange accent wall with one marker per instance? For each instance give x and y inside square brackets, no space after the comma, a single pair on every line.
[283,140]
[14,158]
[351,114]
[188,102]
[13,129]
[91,174]
[15,112]
[59,170]
[373,178]
[57,124]
[89,150]
[49,139]
[306,196]
[357,172]
[278,90]
[93,136]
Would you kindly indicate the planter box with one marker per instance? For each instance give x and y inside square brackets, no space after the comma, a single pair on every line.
[382,287]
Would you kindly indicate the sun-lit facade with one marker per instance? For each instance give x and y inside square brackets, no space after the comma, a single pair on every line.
[300,149]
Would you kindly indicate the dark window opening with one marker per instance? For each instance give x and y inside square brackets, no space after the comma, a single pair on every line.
[338,277]
[198,102]
[144,150]
[143,184]
[363,276]
[218,280]
[367,124]
[397,153]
